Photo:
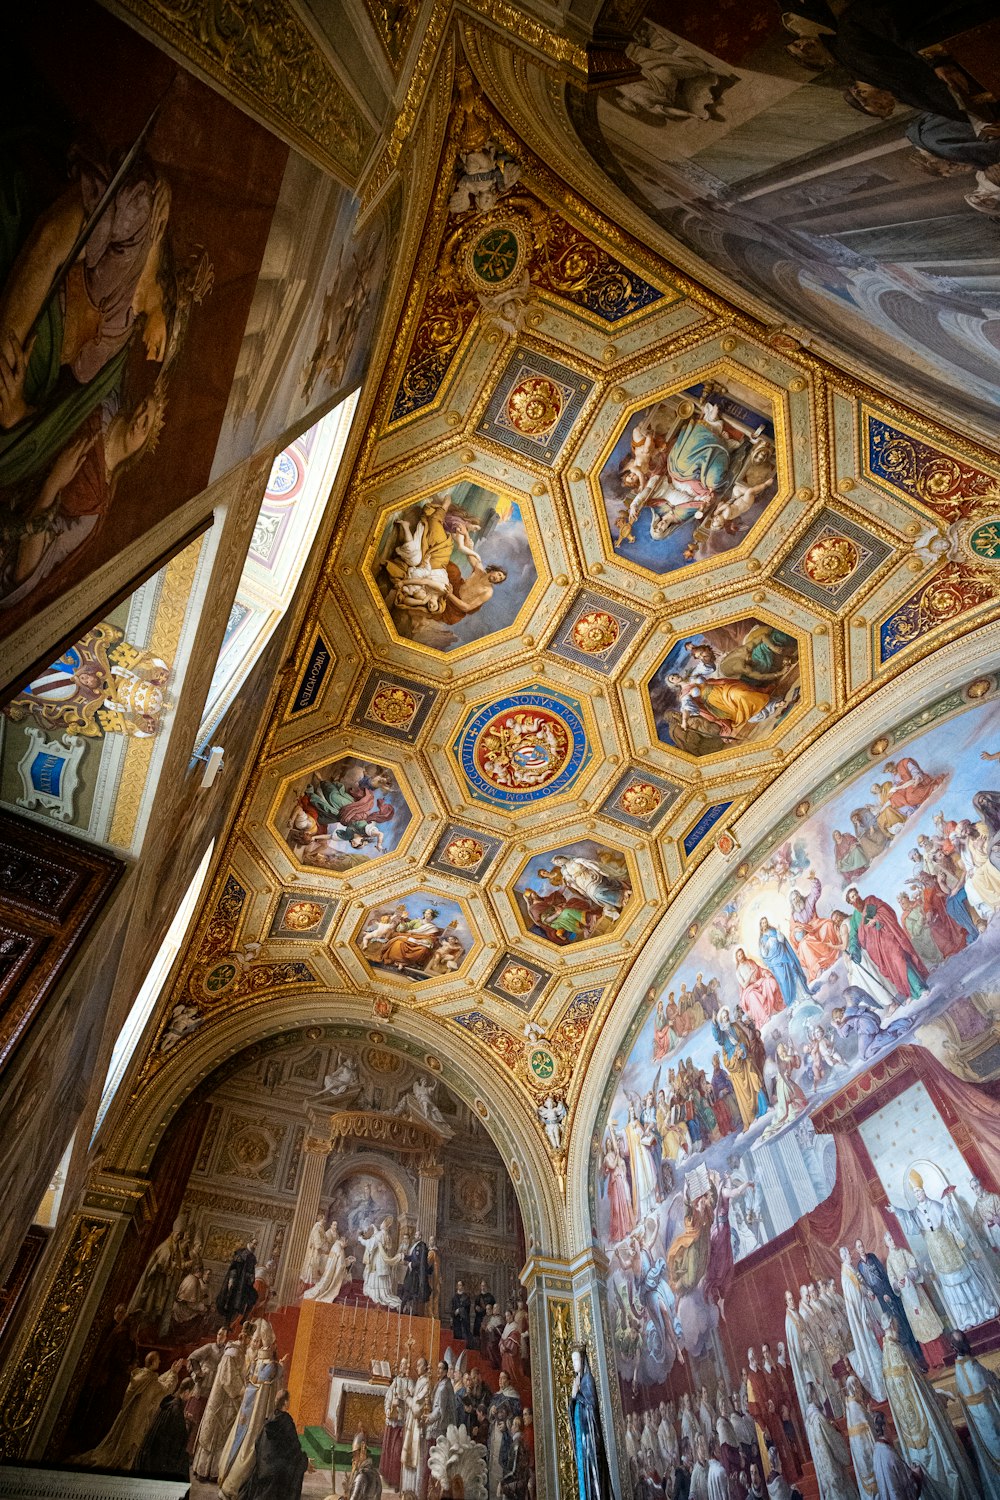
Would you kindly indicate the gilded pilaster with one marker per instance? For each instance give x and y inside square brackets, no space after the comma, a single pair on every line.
[43,1358]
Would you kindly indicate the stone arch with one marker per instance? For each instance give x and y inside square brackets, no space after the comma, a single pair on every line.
[506,1116]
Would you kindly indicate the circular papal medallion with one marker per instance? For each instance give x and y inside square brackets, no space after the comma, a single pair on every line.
[983,541]
[523,747]
[497,255]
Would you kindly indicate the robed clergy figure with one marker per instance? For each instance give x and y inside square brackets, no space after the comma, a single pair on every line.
[592,1475]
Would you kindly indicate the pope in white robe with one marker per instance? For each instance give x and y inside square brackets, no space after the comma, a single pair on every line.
[978,1391]
[830,1453]
[379,1283]
[966,1283]
[338,1264]
[666,1437]
[866,1355]
[859,1436]
[923,1427]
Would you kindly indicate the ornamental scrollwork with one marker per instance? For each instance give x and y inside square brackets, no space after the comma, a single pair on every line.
[39,1359]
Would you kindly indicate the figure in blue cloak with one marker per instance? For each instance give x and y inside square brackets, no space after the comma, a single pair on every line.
[782,960]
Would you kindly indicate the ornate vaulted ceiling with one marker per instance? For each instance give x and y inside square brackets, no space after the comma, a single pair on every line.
[611,556]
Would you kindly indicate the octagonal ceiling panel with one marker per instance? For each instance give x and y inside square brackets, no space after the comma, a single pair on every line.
[720,693]
[725,687]
[459,555]
[344,814]
[693,467]
[690,475]
[415,938]
[574,893]
[457,566]
[523,747]
[342,811]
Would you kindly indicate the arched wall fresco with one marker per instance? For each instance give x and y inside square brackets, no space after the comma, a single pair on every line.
[737,1180]
[357,1252]
[873,229]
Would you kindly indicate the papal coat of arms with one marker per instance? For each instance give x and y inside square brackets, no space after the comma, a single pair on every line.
[523,750]
[102,685]
[530,744]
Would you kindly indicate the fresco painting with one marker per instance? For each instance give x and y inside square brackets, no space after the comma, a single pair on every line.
[455,567]
[420,937]
[870,936]
[138,207]
[344,814]
[344,1322]
[314,312]
[816,158]
[575,892]
[729,685]
[689,476]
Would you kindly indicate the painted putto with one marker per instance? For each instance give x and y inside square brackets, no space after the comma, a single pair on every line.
[690,475]
[870,933]
[344,814]
[454,567]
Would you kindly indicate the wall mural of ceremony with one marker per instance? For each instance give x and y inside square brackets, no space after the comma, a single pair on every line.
[345,1246]
[775,1236]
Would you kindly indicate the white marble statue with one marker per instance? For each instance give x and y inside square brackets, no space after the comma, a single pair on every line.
[553,1117]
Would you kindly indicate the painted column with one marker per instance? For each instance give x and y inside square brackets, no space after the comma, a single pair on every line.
[429,1176]
[43,1358]
[315,1150]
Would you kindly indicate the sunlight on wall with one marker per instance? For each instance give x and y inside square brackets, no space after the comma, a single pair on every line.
[142,1007]
[297,491]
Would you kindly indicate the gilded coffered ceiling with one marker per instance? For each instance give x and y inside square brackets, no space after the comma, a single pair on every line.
[612,555]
